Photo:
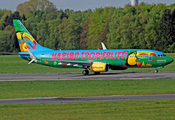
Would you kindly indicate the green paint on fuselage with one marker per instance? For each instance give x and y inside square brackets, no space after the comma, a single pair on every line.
[148,58]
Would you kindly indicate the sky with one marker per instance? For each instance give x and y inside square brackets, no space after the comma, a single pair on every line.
[81,4]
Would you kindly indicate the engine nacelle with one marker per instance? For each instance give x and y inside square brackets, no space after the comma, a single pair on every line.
[99,67]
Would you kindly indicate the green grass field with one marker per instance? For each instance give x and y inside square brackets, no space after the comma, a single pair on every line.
[30,89]
[123,110]
[14,64]
[126,110]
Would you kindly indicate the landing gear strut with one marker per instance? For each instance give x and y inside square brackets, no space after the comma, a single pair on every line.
[85,72]
[156,71]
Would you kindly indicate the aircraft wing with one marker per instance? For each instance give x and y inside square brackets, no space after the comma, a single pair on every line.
[74,63]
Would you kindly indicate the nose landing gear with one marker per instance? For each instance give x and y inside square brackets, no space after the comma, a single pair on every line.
[156,71]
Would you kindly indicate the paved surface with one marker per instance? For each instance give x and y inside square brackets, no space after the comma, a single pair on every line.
[91,76]
[88,99]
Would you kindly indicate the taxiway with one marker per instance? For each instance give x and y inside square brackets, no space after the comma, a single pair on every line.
[91,76]
[88,99]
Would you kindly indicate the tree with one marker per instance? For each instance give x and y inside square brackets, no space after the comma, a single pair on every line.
[83,36]
[151,28]
[98,27]
[34,5]
[147,26]
[166,31]
[41,32]
[9,19]
[5,41]
[52,37]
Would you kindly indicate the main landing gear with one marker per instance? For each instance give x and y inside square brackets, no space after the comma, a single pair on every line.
[156,71]
[85,72]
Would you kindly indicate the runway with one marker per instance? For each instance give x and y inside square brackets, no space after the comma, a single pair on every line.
[88,99]
[91,76]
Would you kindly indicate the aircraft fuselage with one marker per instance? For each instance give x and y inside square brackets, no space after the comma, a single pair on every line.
[120,57]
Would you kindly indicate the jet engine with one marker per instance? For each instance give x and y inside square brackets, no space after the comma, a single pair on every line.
[99,67]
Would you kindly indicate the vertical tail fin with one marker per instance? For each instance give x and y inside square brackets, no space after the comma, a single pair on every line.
[25,39]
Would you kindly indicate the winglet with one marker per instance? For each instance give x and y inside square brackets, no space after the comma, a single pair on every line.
[32,56]
[103,46]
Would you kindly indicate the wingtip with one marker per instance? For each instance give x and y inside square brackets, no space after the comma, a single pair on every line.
[103,46]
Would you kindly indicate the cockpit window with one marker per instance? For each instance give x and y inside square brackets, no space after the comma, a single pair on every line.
[161,55]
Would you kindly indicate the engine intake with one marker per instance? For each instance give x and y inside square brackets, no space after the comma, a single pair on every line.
[99,67]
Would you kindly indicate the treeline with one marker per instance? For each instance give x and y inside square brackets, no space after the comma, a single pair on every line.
[145,26]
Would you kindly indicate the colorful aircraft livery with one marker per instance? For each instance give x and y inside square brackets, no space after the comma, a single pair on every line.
[88,55]
[24,43]
[94,60]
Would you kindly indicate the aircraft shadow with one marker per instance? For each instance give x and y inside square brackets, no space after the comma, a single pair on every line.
[111,73]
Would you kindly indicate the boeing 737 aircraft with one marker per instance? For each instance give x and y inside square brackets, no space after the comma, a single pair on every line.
[94,60]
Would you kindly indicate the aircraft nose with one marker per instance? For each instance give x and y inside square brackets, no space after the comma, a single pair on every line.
[169,60]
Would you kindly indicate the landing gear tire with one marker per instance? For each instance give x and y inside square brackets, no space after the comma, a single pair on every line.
[97,73]
[156,71]
[85,72]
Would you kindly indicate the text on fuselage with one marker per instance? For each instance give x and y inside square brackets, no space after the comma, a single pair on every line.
[88,55]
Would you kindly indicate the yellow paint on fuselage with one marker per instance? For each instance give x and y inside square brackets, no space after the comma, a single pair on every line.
[132,59]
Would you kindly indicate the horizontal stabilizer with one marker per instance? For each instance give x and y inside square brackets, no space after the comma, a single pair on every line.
[9,53]
[32,56]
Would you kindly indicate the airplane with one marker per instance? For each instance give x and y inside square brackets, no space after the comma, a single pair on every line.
[94,60]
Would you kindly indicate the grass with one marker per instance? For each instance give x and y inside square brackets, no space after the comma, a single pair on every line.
[125,110]
[14,64]
[156,109]
[30,89]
